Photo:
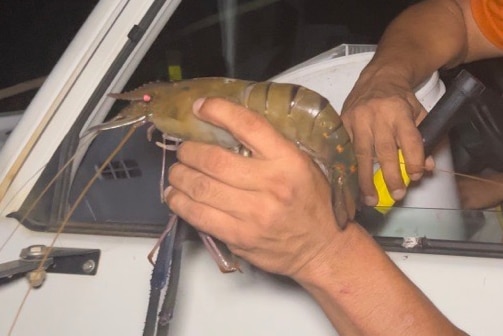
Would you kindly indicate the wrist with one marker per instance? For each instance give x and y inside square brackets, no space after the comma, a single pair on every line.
[389,73]
[331,259]
[363,292]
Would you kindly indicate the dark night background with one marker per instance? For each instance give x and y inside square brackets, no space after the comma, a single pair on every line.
[34,35]
[36,32]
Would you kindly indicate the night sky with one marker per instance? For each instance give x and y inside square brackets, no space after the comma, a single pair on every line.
[34,33]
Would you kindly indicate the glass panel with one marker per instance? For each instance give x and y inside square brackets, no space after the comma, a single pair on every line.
[448,224]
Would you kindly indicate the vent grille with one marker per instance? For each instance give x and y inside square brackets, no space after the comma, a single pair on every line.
[121,169]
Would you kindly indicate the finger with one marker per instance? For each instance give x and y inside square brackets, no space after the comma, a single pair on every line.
[223,165]
[421,115]
[348,125]
[249,128]
[413,150]
[429,163]
[203,217]
[387,155]
[204,189]
[364,155]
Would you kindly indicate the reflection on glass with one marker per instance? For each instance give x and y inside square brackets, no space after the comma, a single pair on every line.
[448,224]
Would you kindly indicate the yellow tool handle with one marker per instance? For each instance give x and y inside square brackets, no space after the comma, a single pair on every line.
[462,89]
[385,199]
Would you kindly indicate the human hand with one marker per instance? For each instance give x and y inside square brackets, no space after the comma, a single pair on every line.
[272,209]
[381,114]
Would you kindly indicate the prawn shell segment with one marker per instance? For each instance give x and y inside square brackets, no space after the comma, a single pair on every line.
[308,119]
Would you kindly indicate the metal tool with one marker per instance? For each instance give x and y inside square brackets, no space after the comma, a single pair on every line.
[50,259]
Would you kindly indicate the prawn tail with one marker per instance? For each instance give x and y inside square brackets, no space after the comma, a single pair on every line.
[343,201]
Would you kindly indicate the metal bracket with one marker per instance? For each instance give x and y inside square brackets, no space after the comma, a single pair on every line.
[52,260]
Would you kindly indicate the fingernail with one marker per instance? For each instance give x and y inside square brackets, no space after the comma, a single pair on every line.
[415,176]
[197,105]
[370,200]
[398,194]
[430,163]
[167,191]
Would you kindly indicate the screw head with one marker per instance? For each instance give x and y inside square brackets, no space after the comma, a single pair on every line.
[89,266]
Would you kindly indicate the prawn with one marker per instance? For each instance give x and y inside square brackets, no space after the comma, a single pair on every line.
[300,114]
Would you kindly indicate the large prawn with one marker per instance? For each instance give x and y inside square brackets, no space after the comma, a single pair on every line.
[300,114]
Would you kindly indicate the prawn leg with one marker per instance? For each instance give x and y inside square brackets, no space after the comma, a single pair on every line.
[173,220]
[165,273]
[220,253]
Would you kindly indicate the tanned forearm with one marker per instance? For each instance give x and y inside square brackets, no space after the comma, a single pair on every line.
[425,37]
[363,293]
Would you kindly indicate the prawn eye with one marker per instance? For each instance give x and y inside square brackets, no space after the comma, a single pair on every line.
[147,98]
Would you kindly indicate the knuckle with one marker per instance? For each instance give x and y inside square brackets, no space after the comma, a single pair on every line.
[281,188]
[215,159]
[363,151]
[356,114]
[285,194]
[412,137]
[246,242]
[282,183]
[269,215]
[202,187]
[392,105]
[254,122]
[386,150]
[195,217]
[414,159]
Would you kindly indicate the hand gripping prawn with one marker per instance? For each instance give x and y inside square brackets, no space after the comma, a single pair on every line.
[300,114]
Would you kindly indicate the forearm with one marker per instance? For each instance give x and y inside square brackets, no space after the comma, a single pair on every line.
[422,39]
[363,292]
